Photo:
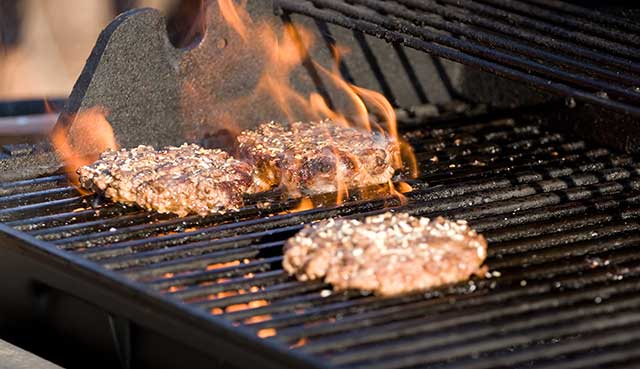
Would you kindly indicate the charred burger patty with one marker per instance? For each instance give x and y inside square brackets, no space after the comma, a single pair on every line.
[388,254]
[313,157]
[181,180]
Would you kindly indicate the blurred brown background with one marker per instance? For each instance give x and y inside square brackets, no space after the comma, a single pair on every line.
[44,43]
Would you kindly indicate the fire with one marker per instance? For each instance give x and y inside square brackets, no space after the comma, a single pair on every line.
[258,319]
[359,107]
[79,139]
[234,17]
[222,265]
[404,187]
[304,204]
[254,304]
[267,332]
[397,192]
[249,305]
[301,342]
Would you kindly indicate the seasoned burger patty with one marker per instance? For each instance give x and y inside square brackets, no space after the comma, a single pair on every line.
[311,157]
[388,254]
[181,180]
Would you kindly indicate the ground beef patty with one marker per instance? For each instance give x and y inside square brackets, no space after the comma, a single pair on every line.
[181,180]
[311,157]
[388,254]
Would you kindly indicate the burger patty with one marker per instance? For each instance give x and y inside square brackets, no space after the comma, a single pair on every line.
[388,254]
[313,157]
[181,180]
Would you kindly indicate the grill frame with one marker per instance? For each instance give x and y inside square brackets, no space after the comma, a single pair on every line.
[133,303]
[123,288]
[121,297]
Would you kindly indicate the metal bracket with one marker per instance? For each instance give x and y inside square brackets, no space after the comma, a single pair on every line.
[156,94]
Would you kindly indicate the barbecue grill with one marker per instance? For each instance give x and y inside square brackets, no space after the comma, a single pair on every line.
[548,174]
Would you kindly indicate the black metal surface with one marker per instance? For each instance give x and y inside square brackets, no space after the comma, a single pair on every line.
[562,220]
[580,54]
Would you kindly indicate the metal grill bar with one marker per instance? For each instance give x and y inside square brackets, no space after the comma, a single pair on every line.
[156,253]
[458,189]
[467,13]
[624,356]
[11,188]
[565,316]
[479,301]
[48,207]
[562,220]
[490,39]
[562,26]
[591,14]
[569,21]
[476,306]
[608,331]
[508,288]
[124,233]
[43,195]
[193,278]
[418,25]
[177,252]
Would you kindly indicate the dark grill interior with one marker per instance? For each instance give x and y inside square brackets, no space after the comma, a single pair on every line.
[555,46]
[561,218]
[561,214]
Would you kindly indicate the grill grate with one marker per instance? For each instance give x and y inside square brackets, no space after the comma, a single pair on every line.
[579,54]
[562,220]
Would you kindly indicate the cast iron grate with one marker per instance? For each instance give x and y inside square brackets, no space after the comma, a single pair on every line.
[562,220]
[578,53]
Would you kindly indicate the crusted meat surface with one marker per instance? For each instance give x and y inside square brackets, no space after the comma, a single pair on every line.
[181,180]
[313,157]
[388,254]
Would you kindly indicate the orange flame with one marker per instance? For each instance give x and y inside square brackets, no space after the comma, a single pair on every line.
[222,265]
[301,342]
[304,204]
[250,305]
[404,187]
[80,139]
[267,332]
[392,189]
[235,16]
[258,319]
[239,307]
[359,107]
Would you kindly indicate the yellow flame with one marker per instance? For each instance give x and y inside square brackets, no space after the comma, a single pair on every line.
[282,54]
[267,332]
[80,139]
[304,204]
[235,17]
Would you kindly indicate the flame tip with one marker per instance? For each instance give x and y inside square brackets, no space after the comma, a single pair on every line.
[79,139]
